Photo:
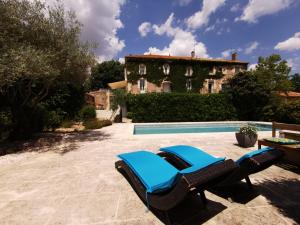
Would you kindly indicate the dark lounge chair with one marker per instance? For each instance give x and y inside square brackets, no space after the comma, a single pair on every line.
[182,156]
[161,185]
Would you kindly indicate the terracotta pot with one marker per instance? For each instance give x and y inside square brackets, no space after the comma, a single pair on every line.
[246,141]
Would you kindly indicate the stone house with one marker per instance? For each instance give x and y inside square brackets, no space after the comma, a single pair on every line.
[159,73]
[102,98]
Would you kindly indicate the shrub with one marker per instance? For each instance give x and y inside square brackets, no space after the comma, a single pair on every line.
[52,120]
[180,107]
[87,112]
[92,124]
[249,129]
[5,124]
[67,123]
[129,115]
[285,112]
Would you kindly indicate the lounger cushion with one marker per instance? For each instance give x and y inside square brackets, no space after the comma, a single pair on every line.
[154,172]
[253,153]
[197,158]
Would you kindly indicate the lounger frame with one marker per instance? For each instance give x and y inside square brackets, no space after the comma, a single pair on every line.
[249,166]
[196,181]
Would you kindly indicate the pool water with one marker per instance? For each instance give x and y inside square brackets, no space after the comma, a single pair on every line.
[194,128]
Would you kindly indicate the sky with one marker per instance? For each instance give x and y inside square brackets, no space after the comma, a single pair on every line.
[213,28]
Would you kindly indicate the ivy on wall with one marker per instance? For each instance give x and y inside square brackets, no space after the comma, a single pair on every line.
[155,75]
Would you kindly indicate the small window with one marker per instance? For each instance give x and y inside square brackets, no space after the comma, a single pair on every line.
[211,70]
[189,84]
[142,69]
[142,85]
[189,71]
[166,86]
[166,69]
[237,69]
[210,87]
[224,87]
[220,69]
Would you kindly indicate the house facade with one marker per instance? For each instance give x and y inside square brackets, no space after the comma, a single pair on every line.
[159,73]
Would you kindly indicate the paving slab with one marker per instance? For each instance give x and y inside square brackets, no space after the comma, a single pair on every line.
[81,186]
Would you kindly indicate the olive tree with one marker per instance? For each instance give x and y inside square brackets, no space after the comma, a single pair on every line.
[40,47]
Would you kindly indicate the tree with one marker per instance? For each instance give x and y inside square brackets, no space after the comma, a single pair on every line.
[40,48]
[248,95]
[254,93]
[106,72]
[273,73]
[296,81]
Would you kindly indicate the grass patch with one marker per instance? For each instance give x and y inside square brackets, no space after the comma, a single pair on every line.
[92,124]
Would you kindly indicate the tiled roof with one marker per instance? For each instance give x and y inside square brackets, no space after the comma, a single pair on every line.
[290,94]
[182,58]
[117,85]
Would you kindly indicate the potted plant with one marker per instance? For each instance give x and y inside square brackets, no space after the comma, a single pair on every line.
[247,136]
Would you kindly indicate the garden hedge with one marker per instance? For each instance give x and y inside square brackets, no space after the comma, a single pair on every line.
[179,107]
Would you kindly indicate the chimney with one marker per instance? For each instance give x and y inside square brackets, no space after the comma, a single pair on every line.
[234,56]
[193,54]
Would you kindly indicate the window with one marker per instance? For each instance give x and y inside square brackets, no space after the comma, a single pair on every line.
[210,87]
[224,87]
[237,69]
[211,70]
[189,84]
[166,86]
[189,71]
[166,69]
[220,69]
[142,85]
[142,69]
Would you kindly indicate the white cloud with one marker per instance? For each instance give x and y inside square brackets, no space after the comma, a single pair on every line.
[122,60]
[226,53]
[101,21]
[201,18]
[184,2]
[294,63]
[210,28]
[145,28]
[183,42]
[252,46]
[257,8]
[252,66]
[293,43]
[235,8]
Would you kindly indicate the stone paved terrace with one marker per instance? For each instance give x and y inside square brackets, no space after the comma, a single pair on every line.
[74,181]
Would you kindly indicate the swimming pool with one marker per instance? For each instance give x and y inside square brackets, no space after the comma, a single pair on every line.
[194,128]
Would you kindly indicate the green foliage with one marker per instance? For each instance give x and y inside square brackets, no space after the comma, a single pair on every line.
[248,95]
[104,73]
[273,73]
[5,123]
[177,74]
[51,120]
[285,112]
[129,115]
[249,129]
[177,107]
[67,123]
[40,52]
[118,99]
[66,98]
[92,124]
[296,82]
[87,112]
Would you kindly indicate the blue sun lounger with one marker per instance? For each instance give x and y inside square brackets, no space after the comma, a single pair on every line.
[163,186]
[184,156]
